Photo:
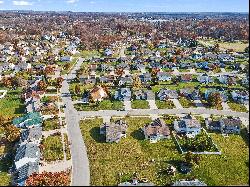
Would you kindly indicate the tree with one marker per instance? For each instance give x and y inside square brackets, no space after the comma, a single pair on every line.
[49,179]
[137,82]
[214,99]
[59,81]
[77,89]
[7,82]
[12,133]
[42,86]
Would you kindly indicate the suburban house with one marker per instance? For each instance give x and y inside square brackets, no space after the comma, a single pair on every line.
[125,80]
[186,78]
[165,94]
[194,182]
[145,77]
[240,96]
[156,131]
[188,125]
[66,58]
[28,120]
[140,95]
[222,94]
[123,94]
[164,76]
[225,79]
[204,78]
[98,93]
[33,135]
[27,160]
[224,125]
[192,94]
[114,131]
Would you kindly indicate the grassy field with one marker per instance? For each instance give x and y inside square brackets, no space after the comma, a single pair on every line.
[164,104]
[11,105]
[103,105]
[53,148]
[237,107]
[51,124]
[236,46]
[186,103]
[134,154]
[140,104]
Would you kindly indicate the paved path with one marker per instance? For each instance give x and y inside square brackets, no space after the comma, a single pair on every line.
[176,102]
[80,163]
[127,105]
[225,106]
[152,104]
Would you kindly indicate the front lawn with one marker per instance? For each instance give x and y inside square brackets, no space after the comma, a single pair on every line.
[237,107]
[140,104]
[51,124]
[164,104]
[186,103]
[111,164]
[52,148]
[103,105]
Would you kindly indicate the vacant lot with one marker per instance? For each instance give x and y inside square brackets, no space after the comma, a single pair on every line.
[236,46]
[134,154]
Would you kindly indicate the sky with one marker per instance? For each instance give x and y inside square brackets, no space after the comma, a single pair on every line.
[127,5]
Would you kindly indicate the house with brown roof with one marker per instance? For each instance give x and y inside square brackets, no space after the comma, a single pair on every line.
[98,93]
[114,131]
[156,131]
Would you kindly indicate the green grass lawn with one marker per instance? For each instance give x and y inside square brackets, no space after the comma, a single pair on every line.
[51,124]
[11,105]
[237,107]
[134,154]
[164,104]
[103,105]
[53,148]
[140,104]
[186,103]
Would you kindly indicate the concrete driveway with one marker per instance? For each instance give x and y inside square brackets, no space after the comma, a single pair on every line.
[177,104]
[127,105]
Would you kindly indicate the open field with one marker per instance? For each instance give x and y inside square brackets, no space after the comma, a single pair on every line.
[236,46]
[134,154]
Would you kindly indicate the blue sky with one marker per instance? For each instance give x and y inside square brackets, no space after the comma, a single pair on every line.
[128,5]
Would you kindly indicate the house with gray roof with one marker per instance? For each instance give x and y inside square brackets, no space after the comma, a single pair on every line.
[25,153]
[188,125]
[123,94]
[225,125]
[165,94]
[194,182]
[164,76]
[114,131]
[33,135]
[156,131]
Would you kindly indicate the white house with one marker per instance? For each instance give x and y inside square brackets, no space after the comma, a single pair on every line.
[188,125]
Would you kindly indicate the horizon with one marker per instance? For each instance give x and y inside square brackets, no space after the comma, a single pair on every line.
[189,6]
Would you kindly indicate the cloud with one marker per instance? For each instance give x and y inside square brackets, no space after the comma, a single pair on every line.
[72,1]
[92,2]
[22,3]
[1,2]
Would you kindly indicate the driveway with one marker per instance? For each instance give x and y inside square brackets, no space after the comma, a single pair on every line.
[225,106]
[152,104]
[177,104]
[127,105]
